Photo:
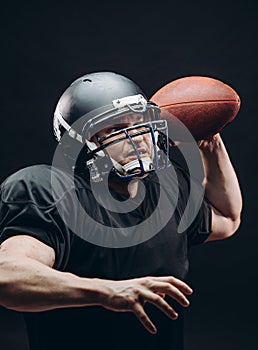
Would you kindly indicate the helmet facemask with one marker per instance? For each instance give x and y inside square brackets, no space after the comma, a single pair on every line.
[143,118]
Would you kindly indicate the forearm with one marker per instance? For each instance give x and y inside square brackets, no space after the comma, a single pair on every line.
[27,285]
[221,183]
[30,286]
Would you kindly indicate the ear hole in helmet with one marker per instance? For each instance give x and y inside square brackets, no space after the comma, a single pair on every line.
[87,80]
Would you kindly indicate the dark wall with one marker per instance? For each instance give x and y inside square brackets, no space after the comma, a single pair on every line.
[46,46]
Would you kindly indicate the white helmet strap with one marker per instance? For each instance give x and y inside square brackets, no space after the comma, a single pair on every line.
[133,165]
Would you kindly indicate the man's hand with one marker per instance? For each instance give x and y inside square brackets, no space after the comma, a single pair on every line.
[131,295]
[210,143]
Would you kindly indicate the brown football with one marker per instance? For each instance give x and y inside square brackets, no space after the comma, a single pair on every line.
[205,105]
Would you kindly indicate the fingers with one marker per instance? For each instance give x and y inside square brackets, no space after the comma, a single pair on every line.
[174,282]
[144,318]
[161,304]
[173,292]
[157,301]
[162,295]
[131,295]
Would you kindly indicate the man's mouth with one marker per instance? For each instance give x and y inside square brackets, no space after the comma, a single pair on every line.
[142,152]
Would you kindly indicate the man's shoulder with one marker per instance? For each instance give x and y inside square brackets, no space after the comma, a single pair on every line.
[40,184]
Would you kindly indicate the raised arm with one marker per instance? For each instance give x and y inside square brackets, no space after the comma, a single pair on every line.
[221,188]
[29,283]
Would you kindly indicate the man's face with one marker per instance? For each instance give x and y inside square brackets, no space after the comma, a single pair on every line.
[123,151]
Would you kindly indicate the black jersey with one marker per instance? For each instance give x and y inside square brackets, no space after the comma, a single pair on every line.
[30,204]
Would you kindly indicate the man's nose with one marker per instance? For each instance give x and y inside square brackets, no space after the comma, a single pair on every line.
[137,138]
[138,131]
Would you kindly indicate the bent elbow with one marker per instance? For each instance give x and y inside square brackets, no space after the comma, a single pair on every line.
[231,227]
[235,225]
[223,227]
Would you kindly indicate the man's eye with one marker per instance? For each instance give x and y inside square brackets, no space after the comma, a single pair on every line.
[111,130]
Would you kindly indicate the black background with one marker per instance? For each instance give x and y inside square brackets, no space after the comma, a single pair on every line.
[45,46]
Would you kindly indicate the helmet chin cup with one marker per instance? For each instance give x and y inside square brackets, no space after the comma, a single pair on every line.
[137,167]
[146,162]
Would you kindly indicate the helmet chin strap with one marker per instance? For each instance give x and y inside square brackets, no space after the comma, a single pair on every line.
[128,168]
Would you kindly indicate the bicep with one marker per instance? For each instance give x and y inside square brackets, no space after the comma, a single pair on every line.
[221,227]
[28,247]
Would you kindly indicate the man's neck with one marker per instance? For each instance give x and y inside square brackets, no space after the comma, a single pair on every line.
[125,187]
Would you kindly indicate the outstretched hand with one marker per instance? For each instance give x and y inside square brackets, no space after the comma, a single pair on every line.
[131,295]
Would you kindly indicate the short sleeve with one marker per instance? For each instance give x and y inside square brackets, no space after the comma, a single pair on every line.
[200,229]
[27,208]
